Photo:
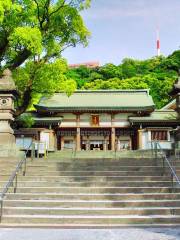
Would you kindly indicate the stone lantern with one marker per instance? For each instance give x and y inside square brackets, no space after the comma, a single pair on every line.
[7,96]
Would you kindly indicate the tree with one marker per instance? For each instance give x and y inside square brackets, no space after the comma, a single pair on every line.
[110,70]
[80,75]
[157,74]
[129,67]
[33,34]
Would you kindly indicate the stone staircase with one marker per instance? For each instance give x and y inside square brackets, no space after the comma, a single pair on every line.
[89,192]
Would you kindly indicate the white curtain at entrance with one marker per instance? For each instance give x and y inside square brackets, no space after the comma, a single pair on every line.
[44,137]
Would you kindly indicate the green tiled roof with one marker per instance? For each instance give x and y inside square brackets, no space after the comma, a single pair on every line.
[138,100]
[157,116]
[40,119]
[47,119]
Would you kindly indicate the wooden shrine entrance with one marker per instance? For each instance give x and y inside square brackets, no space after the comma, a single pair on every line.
[100,139]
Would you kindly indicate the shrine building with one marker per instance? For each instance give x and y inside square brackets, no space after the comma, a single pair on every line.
[100,120]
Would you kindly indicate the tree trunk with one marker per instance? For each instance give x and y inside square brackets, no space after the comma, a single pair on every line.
[19,59]
[25,102]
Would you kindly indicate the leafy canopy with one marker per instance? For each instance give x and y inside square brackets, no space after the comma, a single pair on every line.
[157,74]
[33,34]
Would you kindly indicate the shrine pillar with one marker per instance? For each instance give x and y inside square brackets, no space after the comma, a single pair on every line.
[78,133]
[140,138]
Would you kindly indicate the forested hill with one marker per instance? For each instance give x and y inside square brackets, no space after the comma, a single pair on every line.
[158,74]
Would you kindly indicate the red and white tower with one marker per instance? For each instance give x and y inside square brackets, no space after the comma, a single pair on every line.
[158,44]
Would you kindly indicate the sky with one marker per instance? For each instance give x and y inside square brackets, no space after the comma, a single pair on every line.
[127,29]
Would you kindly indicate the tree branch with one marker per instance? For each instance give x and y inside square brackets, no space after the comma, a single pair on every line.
[61,6]
[38,10]
[19,59]
[3,47]
[45,15]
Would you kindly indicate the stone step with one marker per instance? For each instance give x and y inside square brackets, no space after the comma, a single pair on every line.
[88,189]
[121,173]
[90,196]
[99,154]
[92,211]
[88,226]
[101,160]
[76,166]
[89,166]
[63,175]
[9,159]
[101,174]
[85,170]
[93,182]
[92,203]
[97,191]
[90,220]
[101,168]
[93,161]
[90,173]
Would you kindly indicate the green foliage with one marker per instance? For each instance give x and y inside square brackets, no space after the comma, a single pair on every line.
[129,68]
[157,74]
[39,27]
[43,78]
[80,75]
[5,5]
[110,71]
[33,34]
[116,83]
[68,86]
[26,37]
[26,120]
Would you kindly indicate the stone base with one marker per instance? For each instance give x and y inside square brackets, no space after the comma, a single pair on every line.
[7,139]
[10,151]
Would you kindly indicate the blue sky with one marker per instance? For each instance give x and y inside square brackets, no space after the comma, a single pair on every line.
[127,28]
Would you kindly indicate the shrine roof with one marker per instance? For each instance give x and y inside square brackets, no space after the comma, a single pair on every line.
[40,120]
[157,116]
[117,100]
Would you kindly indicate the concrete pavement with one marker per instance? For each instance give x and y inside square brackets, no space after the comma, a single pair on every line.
[90,234]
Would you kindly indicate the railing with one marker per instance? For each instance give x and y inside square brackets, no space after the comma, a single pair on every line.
[13,180]
[158,152]
[72,151]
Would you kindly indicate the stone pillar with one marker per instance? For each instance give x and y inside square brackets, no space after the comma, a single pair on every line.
[7,96]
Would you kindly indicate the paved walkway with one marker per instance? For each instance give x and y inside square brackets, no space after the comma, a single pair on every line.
[78,234]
